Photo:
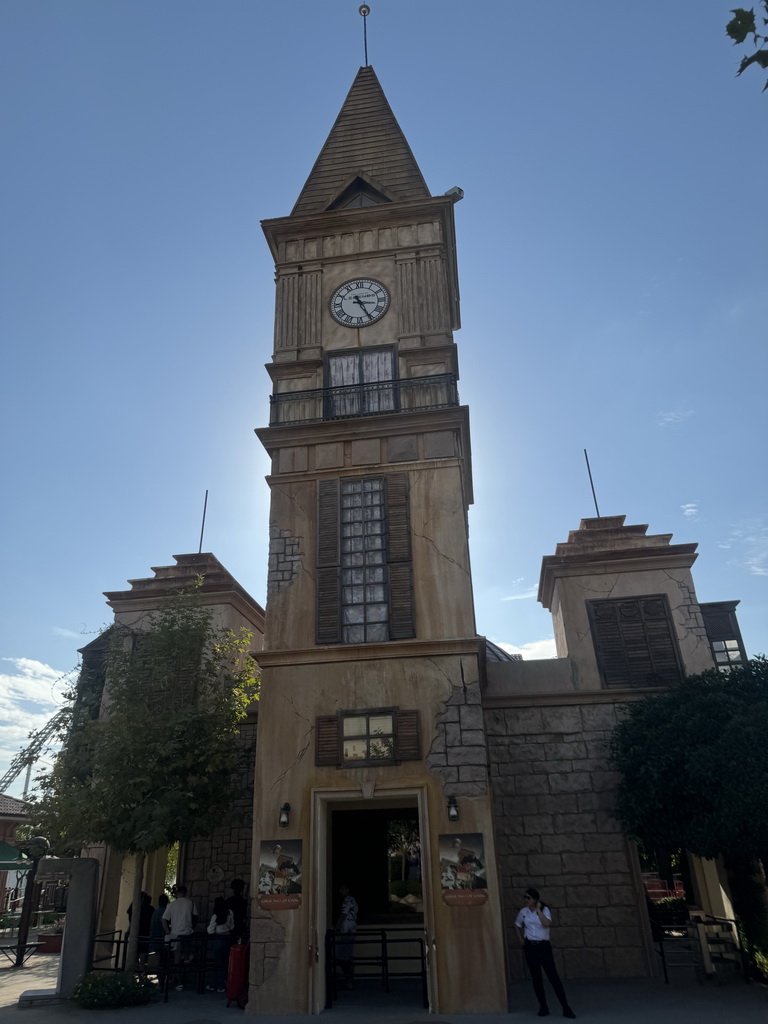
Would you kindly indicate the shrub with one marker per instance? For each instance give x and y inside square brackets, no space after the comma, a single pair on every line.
[100,990]
[671,903]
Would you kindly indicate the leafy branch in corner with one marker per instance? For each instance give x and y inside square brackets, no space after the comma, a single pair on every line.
[740,28]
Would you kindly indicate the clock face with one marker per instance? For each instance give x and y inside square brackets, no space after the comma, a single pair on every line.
[359,303]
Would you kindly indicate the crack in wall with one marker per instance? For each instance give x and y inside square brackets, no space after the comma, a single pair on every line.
[291,498]
[442,554]
[302,751]
[416,479]
[602,592]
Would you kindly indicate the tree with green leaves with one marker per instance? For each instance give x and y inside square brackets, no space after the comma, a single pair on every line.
[694,766]
[742,25]
[153,759]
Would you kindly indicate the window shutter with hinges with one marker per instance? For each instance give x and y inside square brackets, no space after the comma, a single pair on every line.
[407,740]
[327,740]
[402,624]
[328,616]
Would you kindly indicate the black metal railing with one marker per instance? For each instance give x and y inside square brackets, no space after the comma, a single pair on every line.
[189,958]
[353,400]
[705,943]
[375,954]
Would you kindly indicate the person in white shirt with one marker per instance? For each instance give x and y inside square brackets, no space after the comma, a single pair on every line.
[533,924]
[178,920]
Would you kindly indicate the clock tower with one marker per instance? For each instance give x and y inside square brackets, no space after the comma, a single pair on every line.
[371,763]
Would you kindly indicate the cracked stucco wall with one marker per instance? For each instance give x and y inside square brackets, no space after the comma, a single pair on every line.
[571,622]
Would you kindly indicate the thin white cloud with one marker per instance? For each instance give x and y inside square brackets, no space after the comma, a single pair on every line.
[674,416]
[30,694]
[691,510]
[523,595]
[533,650]
[749,542]
[60,631]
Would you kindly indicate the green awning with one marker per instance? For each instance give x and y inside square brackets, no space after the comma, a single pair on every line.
[12,859]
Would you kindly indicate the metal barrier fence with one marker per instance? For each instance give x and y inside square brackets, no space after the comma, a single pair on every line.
[189,957]
[383,959]
[705,943]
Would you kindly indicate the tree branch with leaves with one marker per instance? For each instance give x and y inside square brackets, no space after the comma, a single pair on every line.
[740,28]
[694,767]
[157,764]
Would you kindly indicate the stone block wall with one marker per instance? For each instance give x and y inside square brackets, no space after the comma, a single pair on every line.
[553,803]
[229,846]
[458,754]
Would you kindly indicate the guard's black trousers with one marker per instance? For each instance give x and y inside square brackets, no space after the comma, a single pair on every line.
[538,956]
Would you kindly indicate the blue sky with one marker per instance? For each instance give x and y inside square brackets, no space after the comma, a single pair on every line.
[611,257]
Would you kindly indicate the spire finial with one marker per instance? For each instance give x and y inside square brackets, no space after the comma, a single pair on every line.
[365,10]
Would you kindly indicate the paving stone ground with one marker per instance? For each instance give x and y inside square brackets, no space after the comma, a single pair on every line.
[596,1002]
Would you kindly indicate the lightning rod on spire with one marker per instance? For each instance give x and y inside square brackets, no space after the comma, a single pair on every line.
[365,10]
[202,528]
[594,496]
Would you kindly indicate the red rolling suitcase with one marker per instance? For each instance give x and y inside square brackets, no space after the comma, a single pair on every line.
[237,975]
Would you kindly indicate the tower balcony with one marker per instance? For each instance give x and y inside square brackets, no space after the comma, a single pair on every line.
[411,394]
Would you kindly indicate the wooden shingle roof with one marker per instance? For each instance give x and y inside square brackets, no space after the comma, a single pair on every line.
[365,141]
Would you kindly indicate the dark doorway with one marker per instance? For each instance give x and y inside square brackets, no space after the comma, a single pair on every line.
[377,853]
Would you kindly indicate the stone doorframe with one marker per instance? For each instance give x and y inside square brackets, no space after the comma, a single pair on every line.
[368,796]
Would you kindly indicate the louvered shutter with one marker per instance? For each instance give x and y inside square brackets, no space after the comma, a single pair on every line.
[634,641]
[327,740]
[408,741]
[402,623]
[401,620]
[662,646]
[328,575]
[399,540]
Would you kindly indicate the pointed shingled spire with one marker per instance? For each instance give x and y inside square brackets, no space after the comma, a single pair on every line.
[365,141]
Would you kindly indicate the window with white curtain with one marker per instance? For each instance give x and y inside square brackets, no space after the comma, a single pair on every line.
[367,380]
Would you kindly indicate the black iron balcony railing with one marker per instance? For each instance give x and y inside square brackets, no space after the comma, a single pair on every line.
[407,395]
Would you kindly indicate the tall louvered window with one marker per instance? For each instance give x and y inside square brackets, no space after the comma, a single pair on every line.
[634,641]
[364,580]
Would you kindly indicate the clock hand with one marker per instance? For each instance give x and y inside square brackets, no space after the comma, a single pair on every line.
[360,302]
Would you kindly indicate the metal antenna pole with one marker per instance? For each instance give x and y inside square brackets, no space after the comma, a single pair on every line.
[202,528]
[594,496]
[365,10]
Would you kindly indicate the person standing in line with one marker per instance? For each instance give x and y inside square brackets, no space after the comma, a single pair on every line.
[238,904]
[220,929]
[533,924]
[179,919]
[347,925]
[157,931]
